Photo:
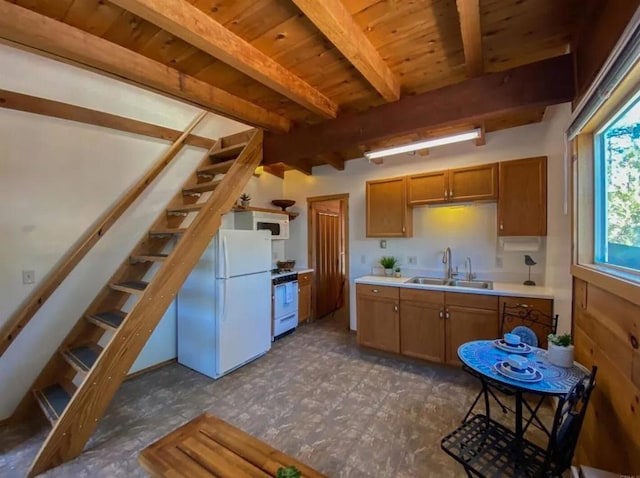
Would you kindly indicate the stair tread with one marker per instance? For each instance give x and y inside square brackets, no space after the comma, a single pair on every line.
[111,318]
[149,257]
[53,400]
[229,151]
[168,230]
[186,208]
[82,357]
[131,285]
[219,168]
[203,187]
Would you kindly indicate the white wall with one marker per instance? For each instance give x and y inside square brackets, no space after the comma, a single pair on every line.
[469,231]
[57,178]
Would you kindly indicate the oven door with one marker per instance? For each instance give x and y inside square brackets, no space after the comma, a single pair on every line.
[285,300]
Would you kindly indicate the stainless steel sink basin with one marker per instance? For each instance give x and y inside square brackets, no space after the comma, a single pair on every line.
[428,281]
[472,284]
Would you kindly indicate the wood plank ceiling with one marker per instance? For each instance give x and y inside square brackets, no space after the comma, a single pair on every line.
[416,45]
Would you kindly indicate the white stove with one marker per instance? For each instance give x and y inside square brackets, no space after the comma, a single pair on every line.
[285,303]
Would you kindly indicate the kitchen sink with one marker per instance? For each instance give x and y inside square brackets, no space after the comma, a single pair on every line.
[428,281]
[471,284]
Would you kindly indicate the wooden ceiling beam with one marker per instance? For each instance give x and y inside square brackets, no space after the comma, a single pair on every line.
[336,23]
[469,14]
[194,26]
[25,27]
[544,83]
[334,159]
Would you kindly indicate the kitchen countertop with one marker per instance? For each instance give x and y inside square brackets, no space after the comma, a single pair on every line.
[294,271]
[499,288]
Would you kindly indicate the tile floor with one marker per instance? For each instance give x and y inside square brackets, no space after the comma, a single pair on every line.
[316,395]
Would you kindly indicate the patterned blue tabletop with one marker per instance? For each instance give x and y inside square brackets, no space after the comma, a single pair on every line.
[482,355]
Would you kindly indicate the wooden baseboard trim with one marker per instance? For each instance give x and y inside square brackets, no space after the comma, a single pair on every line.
[150,369]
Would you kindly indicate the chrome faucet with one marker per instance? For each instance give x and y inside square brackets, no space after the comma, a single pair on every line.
[446,259]
[467,267]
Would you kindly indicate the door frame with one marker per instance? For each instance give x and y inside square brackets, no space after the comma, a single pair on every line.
[311,253]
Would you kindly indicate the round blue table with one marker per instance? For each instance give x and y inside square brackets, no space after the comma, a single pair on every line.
[481,356]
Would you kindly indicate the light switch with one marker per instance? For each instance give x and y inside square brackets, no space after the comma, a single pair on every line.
[28,277]
[383,244]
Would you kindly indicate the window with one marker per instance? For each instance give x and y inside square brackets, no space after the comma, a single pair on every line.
[617,190]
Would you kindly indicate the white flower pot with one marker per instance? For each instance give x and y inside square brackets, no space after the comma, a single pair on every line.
[388,272]
[560,356]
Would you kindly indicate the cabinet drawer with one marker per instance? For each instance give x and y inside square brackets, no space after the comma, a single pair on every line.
[304,278]
[475,301]
[426,296]
[379,291]
[543,305]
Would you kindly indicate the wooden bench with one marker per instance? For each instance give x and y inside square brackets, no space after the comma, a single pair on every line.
[208,447]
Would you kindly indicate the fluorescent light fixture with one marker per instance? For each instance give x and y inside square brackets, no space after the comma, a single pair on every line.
[428,143]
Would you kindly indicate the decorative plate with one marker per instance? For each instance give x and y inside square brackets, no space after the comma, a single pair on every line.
[526,335]
[531,374]
[521,348]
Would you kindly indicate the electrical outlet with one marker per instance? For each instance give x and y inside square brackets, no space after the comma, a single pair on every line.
[383,244]
[412,260]
[28,277]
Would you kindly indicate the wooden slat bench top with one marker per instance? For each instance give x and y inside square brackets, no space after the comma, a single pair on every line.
[210,447]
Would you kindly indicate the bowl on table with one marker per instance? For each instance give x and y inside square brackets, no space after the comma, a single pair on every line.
[283,203]
[286,265]
[512,339]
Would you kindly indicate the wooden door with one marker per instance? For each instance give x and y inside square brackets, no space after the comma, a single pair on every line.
[427,188]
[378,317]
[422,324]
[388,214]
[464,324]
[522,205]
[476,183]
[328,270]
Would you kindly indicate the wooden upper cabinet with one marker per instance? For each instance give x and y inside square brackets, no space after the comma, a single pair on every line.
[427,188]
[388,213]
[522,207]
[476,183]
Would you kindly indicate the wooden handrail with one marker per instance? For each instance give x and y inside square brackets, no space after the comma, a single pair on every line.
[39,296]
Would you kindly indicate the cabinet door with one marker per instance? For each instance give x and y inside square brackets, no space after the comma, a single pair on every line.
[522,205]
[422,330]
[304,302]
[473,184]
[428,188]
[378,323]
[388,214]
[464,325]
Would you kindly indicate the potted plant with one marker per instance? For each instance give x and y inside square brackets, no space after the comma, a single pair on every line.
[288,472]
[560,350]
[396,272]
[245,199]
[388,263]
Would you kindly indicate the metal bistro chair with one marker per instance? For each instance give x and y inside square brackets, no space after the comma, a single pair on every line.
[512,318]
[486,448]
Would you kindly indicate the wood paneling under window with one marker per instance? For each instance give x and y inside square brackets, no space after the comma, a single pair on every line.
[606,333]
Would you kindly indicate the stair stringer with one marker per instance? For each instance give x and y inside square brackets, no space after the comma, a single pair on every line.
[78,421]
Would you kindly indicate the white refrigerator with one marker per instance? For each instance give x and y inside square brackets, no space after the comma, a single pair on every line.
[224,306]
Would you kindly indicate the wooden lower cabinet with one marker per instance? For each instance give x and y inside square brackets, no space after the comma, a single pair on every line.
[378,317]
[464,324]
[304,297]
[543,305]
[422,324]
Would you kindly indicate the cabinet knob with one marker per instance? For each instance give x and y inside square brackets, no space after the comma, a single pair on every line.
[404,229]
[523,305]
[441,314]
[447,316]
[375,291]
[395,307]
[501,226]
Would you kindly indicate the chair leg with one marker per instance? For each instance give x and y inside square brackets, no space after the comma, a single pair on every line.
[475,402]
[495,397]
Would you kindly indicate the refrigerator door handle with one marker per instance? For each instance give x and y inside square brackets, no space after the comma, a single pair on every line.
[223,315]
[225,256]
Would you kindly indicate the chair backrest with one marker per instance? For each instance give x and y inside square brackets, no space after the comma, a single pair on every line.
[542,324]
[567,424]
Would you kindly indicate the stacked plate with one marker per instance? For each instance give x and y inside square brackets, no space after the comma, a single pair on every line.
[527,374]
[521,348]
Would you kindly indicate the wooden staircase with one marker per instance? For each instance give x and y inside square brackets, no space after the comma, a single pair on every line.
[77,384]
